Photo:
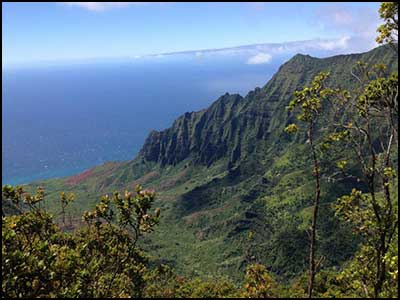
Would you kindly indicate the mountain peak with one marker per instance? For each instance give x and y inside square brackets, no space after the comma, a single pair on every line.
[299,57]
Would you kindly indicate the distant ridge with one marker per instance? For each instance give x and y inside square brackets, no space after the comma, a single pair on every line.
[315,43]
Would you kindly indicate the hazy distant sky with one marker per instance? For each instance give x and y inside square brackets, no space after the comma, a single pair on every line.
[65,31]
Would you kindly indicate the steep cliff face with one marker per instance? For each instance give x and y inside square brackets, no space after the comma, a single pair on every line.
[205,136]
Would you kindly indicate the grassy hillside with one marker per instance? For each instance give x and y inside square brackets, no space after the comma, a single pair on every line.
[228,170]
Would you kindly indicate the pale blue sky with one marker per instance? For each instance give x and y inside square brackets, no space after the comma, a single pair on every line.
[34,32]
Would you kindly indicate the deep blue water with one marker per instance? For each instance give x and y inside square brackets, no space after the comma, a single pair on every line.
[60,120]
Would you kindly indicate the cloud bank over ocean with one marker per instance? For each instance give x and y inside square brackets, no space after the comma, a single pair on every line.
[267,52]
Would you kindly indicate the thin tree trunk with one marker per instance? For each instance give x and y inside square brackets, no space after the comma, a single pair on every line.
[316,173]
[381,270]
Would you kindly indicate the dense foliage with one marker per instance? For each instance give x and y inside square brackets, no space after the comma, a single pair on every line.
[101,258]
[365,121]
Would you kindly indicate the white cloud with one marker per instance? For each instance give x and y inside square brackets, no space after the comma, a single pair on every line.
[342,17]
[360,23]
[260,58]
[265,53]
[341,43]
[102,6]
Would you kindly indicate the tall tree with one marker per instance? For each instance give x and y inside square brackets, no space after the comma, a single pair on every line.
[311,102]
[368,126]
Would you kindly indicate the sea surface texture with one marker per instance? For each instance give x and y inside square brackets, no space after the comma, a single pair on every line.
[61,120]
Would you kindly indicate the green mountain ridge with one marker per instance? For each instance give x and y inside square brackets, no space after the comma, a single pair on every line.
[228,170]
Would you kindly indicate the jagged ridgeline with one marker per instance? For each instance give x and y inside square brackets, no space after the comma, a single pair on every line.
[228,170]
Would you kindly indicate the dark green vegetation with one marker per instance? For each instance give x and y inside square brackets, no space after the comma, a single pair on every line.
[237,194]
[98,260]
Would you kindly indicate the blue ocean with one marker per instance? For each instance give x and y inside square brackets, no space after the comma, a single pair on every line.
[60,120]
